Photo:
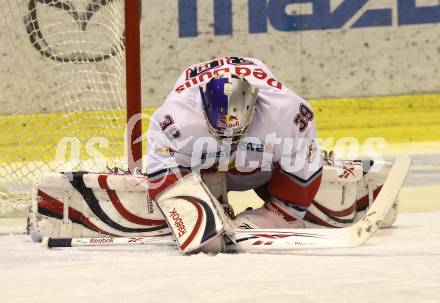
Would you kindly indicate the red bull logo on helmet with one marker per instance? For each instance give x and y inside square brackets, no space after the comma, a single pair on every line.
[228,121]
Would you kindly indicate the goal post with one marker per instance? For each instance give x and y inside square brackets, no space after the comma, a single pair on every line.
[69,82]
[133,81]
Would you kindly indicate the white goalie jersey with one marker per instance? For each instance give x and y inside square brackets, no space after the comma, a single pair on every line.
[278,155]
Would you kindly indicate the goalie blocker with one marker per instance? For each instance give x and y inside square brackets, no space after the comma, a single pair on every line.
[85,205]
[195,216]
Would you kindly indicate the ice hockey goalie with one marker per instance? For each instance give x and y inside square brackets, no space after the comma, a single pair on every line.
[228,125]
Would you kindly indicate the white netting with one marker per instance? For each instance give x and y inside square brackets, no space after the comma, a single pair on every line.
[62,90]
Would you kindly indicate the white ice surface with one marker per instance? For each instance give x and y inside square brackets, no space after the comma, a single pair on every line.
[401,264]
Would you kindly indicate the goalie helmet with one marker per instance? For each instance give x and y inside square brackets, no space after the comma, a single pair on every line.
[229,106]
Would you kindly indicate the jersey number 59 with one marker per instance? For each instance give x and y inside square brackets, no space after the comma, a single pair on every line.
[303,118]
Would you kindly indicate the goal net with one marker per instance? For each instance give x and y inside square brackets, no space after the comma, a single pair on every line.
[62,91]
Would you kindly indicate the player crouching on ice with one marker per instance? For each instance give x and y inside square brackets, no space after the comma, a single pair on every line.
[232,123]
[228,125]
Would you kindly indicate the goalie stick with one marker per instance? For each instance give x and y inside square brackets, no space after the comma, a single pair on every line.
[272,240]
[114,241]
